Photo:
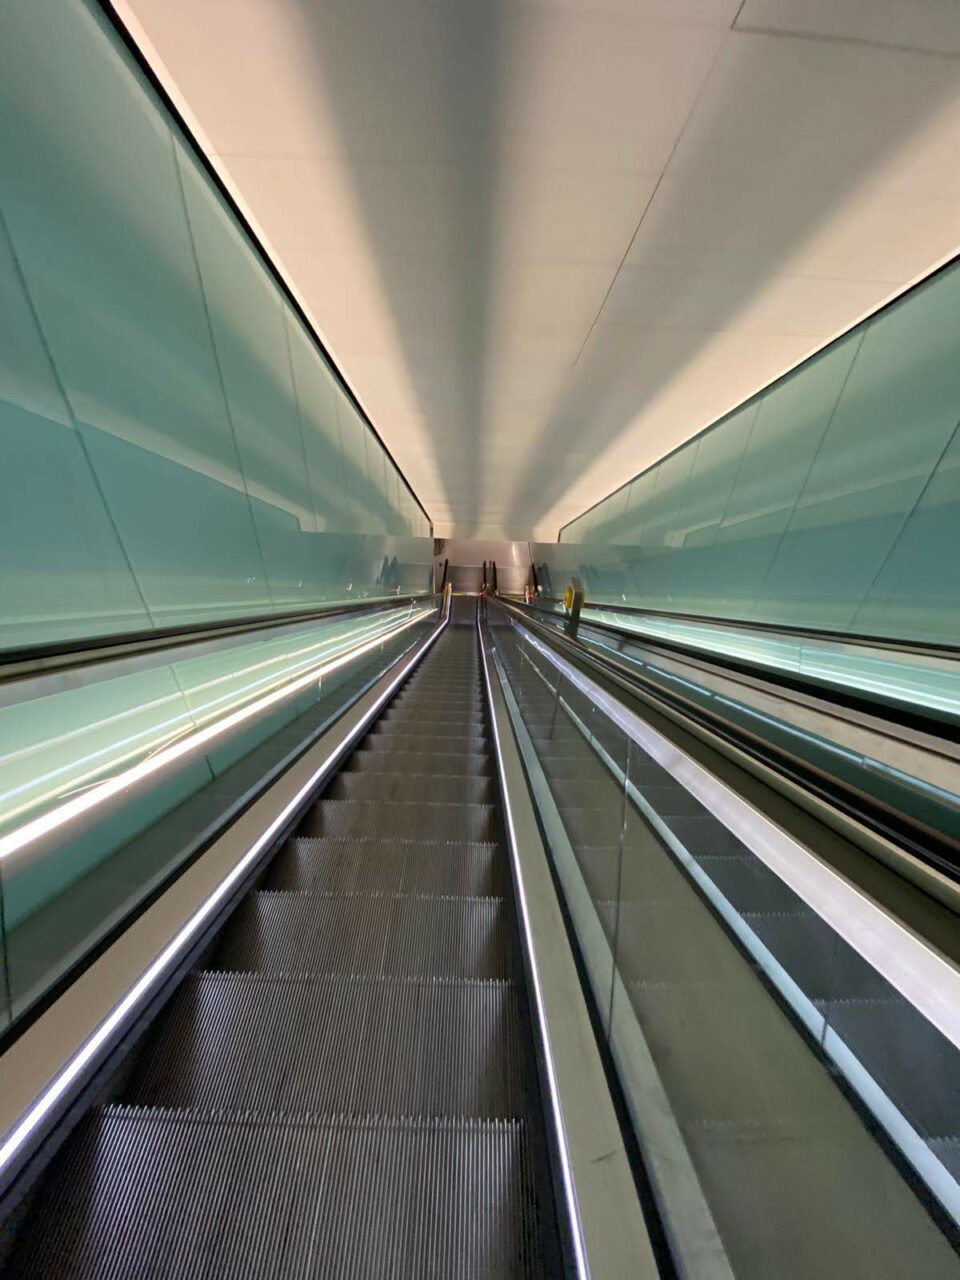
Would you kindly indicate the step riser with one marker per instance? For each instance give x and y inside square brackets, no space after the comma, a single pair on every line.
[463,823]
[385,866]
[400,937]
[381,759]
[175,1195]
[413,787]
[217,1048]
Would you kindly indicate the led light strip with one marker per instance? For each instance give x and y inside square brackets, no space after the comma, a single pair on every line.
[87,1053]
[925,978]
[885,675]
[17,840]
[569,1187]
[165,731]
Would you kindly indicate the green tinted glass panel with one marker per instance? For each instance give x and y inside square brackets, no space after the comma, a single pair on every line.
[829,501]
[175,446]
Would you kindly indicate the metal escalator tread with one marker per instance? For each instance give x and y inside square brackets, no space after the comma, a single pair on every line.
[331,865]
[217,1047]
[435,937]
[346,1089]
[387,784]
[447,731]
[240,1196]
[384,754]
[403,819]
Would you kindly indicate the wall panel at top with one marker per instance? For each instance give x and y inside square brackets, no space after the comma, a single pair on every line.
[174,428]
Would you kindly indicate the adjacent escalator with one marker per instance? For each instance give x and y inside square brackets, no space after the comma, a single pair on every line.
[693,945]
[344,1086]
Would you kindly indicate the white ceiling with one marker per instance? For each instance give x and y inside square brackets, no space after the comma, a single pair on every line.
[548,240]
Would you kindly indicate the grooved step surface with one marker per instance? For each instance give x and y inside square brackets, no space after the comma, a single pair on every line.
[247,1197]
[308,934]
[404,820]
[381,754]
[468,699]
[432,787]
[433,732]
[454,1046]
[435,716]
[389,866]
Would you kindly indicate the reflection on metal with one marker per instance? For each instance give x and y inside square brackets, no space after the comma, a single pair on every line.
[690,1225]
[606,1221]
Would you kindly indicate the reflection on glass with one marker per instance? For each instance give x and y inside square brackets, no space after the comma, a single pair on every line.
[831,500]
[923,680]
[732,1012]
[174,446]
[109,779]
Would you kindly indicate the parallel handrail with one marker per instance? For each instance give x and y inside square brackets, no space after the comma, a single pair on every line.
[16,663]
[923,762]
[939,650]
[923,976]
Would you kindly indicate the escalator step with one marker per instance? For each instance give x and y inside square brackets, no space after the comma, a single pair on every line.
[403,820]
[901,1049]
[377,753]
[596,826]
[163,1194]
[442,695]
[947,1151]
[823,966]
[454,1047]
[545,728]
[602,792]
[382,785]
[301,933]
[748,885]
[439,719]
[673,801]
[337,866]
[569,744]
[452,731]
[327,865]
[703,836]
[559,768]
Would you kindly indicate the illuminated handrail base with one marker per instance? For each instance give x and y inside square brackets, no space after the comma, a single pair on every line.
[176,744]
[914,679]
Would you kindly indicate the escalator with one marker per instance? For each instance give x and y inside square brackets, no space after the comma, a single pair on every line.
[751,1011]
[344,1085]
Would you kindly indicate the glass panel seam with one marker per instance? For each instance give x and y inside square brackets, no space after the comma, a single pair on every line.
[62,389]
[208,319]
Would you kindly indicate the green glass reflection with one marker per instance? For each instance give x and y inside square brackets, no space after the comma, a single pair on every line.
[829,501]
[175,446]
